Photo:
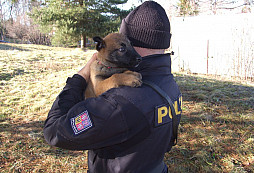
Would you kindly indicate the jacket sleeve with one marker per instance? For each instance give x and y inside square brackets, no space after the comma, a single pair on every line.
[78,124]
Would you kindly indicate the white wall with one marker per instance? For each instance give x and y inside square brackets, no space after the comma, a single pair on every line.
[230,49]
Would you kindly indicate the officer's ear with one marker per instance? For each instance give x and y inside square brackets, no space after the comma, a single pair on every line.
[100,43]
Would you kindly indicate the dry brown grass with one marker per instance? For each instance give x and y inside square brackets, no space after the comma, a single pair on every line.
[216,132]
[30,79]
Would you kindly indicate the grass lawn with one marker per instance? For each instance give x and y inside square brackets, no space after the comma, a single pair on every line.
[215,135]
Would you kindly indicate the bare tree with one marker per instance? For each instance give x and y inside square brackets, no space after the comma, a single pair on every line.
[2,20]
[16,25]
[188,7]
[215,5]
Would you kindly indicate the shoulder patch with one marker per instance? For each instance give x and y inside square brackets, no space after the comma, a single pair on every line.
[81,122]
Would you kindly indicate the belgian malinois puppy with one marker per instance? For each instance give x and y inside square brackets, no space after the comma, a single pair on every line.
[110,70]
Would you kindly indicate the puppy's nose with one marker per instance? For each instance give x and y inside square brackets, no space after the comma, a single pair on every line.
[139,59]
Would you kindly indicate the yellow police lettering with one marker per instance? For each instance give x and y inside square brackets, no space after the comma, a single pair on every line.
[162,112]
[181,102]
[176,108]
[169,112]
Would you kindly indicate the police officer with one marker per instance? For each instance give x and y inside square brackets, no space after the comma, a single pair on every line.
[125,129]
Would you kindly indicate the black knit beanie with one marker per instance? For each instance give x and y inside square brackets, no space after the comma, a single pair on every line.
[147,26]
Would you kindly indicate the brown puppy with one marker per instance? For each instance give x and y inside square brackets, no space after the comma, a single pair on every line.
[115,55]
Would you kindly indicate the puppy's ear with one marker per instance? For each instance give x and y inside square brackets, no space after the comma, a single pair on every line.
[100,43]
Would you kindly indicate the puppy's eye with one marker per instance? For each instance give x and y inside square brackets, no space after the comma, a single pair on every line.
[121,49]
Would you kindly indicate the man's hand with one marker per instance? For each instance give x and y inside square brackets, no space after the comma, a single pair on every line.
[85,71]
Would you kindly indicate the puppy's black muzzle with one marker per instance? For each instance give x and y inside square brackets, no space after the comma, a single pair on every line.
[135,61]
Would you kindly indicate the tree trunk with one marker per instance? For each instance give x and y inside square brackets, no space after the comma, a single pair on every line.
[83,36]
[83,41]
[2,35]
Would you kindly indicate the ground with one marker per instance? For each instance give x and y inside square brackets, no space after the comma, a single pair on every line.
[215,134]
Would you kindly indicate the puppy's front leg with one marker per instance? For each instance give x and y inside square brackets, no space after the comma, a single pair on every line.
[127,78]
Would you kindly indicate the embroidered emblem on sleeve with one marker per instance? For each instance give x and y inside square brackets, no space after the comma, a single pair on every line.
[81,122]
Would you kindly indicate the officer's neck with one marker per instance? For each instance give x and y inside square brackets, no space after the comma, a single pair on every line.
[146,52]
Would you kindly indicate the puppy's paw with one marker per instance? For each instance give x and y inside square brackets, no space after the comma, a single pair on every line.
[136,83]
[133,79]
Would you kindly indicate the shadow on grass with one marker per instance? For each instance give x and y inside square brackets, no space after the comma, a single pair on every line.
[212,91]
[24,149]
[29,136]
[14,127]
[213,137]
[8,76]
[215,134]
[5,46]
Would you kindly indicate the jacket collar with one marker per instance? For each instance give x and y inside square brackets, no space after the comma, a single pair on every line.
[157,64]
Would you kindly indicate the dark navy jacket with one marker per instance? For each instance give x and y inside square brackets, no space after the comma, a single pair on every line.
[125,129]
